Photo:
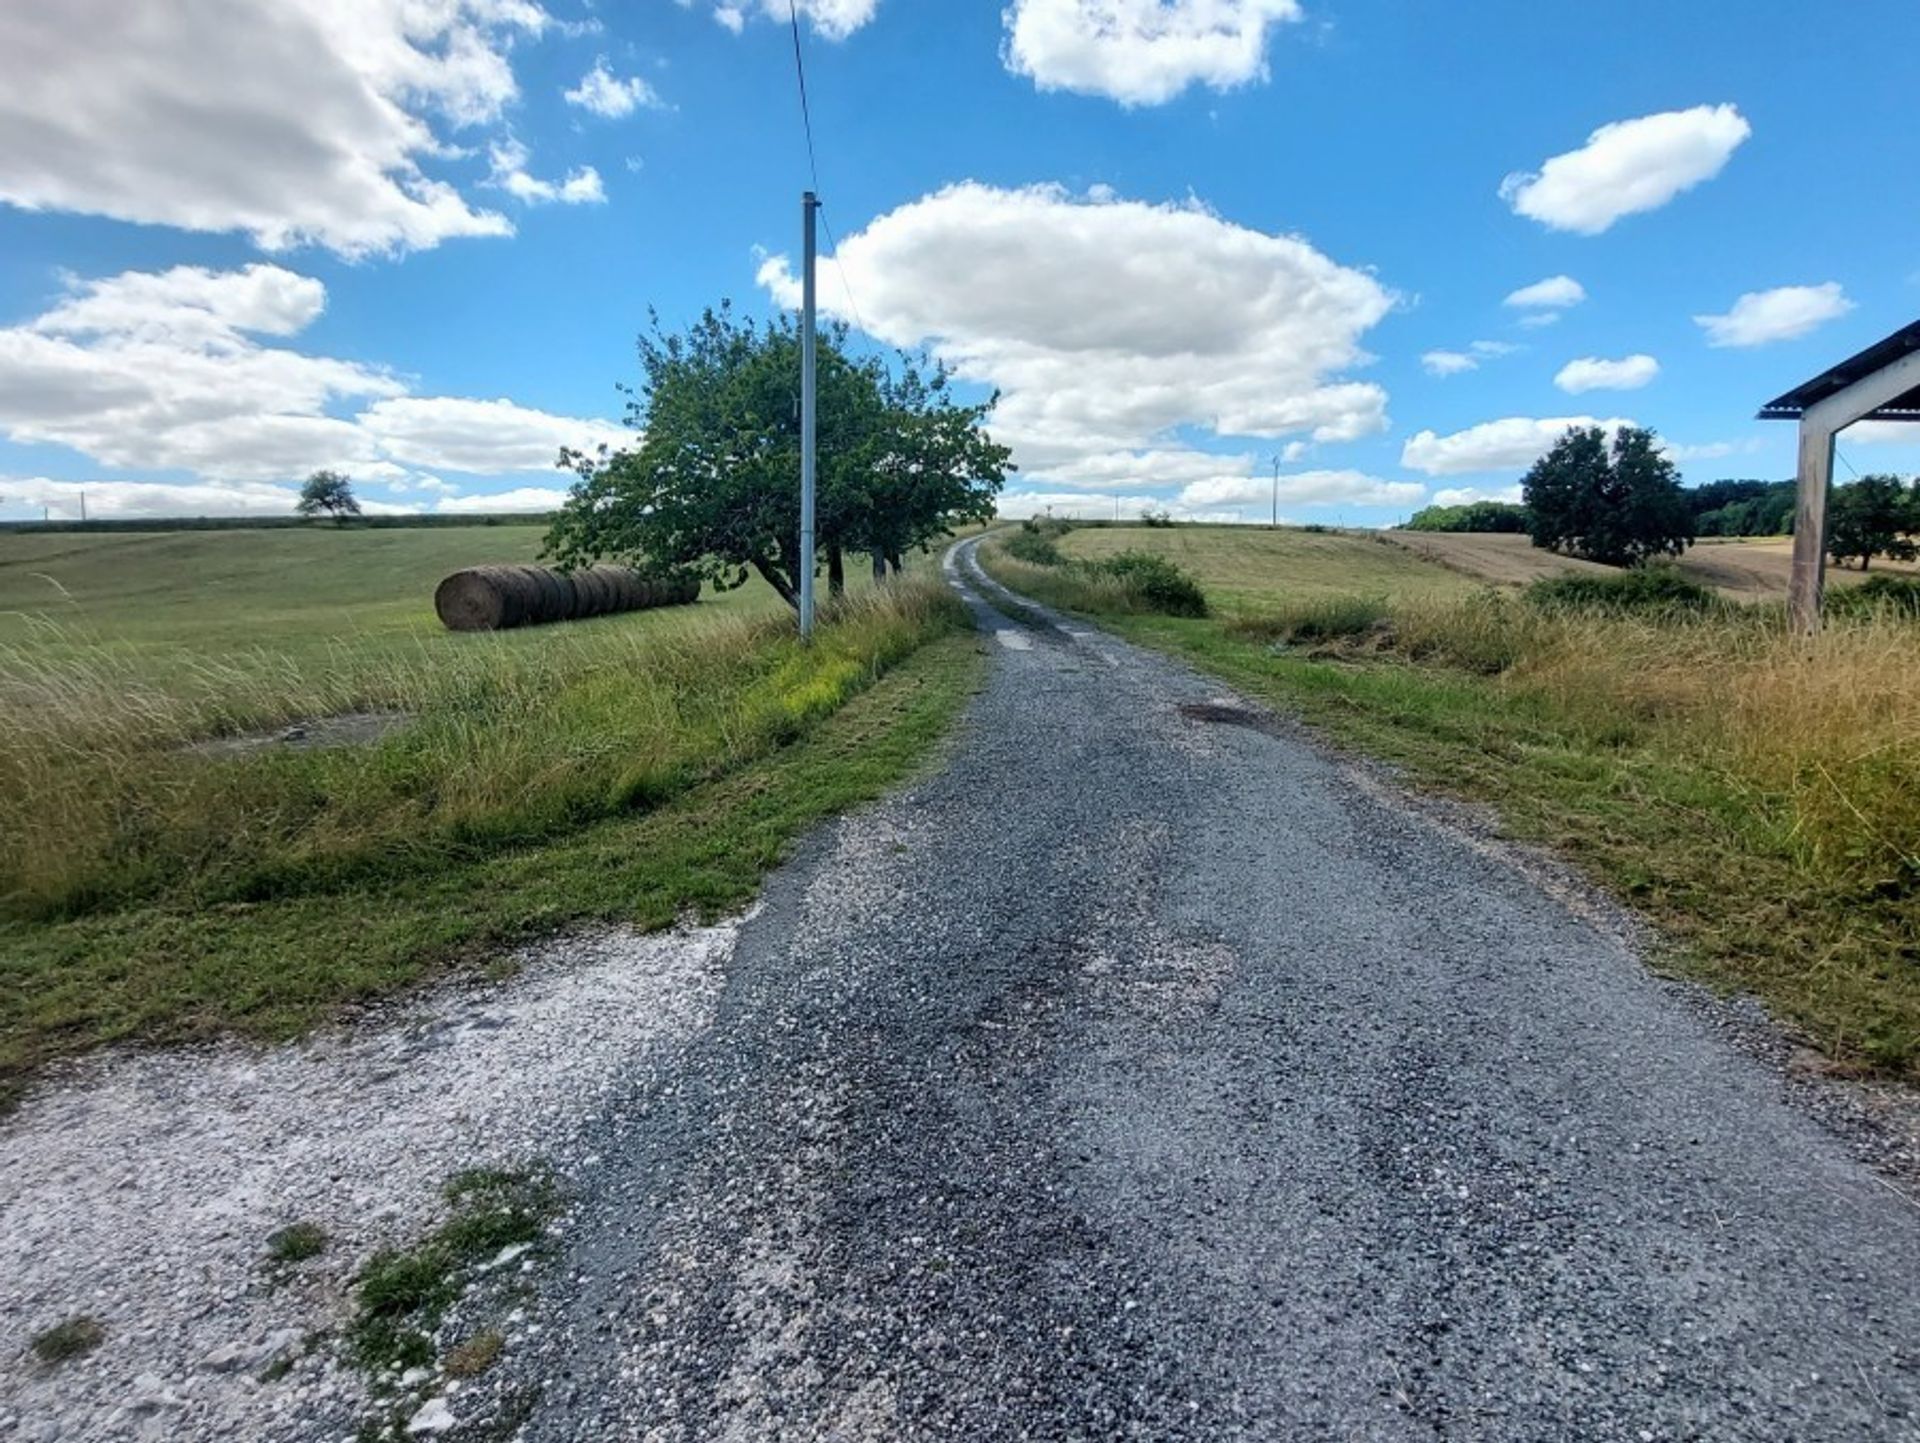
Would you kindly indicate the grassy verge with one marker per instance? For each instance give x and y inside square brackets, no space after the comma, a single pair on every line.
[1756,796]
[801,739]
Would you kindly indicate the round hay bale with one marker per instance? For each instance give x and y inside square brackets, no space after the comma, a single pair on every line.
[470,601]
[598,591]
[556,597]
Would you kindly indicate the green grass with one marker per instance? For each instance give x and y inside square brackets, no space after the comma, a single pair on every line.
[1756,797]
[1242,568]
[296,1243]
[401,1295]
[620,770]
[68,1339]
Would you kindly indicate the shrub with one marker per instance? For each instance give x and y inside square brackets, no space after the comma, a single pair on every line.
[1154,583]
[1891,595]
[1643,588]
[1326,618]
[1034,547]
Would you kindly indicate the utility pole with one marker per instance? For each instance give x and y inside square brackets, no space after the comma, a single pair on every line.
[1276,491]
[83,505]
[809,206]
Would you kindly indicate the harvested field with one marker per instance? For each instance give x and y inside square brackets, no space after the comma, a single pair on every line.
[1745,568]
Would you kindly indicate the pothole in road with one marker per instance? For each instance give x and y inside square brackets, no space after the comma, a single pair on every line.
[1226,714]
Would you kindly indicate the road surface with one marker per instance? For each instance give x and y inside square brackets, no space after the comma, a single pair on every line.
[1144,1075]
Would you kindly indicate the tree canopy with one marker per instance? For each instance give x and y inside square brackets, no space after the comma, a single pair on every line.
[712,483]
[1619,504]
[1874,516]
[1470,516]
[327,492]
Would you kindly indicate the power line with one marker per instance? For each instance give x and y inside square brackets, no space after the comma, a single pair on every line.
[800,71]
[813,161]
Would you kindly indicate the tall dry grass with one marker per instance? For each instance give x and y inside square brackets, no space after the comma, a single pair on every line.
[1821,735]
[103,801]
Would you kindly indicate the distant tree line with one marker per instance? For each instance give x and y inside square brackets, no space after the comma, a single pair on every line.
[1494,516]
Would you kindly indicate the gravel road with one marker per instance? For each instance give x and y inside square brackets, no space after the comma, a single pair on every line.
[1145,1074]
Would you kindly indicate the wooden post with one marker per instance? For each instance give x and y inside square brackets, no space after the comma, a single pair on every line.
[1806,590]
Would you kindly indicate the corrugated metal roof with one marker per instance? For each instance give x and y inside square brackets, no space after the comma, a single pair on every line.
[1876,357]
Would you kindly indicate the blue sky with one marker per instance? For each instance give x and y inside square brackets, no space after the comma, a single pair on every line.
[239,241]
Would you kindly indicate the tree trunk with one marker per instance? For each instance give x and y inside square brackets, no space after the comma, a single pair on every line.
[893,560]
[773,577]
[836,571]
[879,567]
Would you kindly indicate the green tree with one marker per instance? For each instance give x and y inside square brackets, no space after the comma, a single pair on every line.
[1619,504]
[713,484]
[1874,516]
[328,493]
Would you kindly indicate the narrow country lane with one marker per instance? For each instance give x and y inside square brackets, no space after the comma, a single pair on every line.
[1143,1074]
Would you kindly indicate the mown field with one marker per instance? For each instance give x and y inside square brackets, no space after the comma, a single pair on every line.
[170,868]
[1746,568]
[1757,795]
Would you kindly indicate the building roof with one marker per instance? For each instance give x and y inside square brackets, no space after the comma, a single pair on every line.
[1878,356]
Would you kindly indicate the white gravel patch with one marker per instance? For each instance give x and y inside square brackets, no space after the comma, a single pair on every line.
[141,1190]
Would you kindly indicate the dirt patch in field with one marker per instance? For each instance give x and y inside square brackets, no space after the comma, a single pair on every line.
[348,729]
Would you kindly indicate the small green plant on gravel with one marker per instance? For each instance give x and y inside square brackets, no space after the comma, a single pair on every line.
[69,1339]
[296,1242]
[476,1355]
[404,1293]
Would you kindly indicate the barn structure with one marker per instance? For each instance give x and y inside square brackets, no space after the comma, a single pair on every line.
[1882,383]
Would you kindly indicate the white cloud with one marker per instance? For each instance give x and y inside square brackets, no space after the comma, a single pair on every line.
[1107,326]
[1592,374]
[1537,320]
[1305,488]
[1782,314]
[1141,52]
[833,19]
[1495,348]
[1628,167]
[603,93]
[1448,363]
[119,500]
[1510,444]
[1712,450]
[521,499]
[295,122]
[1882,433]
[509,158]
[451,433]
[1121,470]
[1555,293]
[167,370]
[1467,495]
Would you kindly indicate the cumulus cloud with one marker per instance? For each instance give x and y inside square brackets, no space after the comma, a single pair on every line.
[1628,167]
[300,121]
[1555,293]
[833,19]
[1305,488]
[1109,325]
[450,433]
[1782,314]
[1141,52]
[1592,374]
[1509,444]
[1467,495]
[169,369]
[581,187]
[603,93]
[1448,363]
[520,499]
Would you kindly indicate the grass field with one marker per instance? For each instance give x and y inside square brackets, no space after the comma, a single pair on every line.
[1757,796]
[622,768]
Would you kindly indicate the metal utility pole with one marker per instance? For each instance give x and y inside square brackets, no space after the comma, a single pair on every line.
[1276,491]
[809,205]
